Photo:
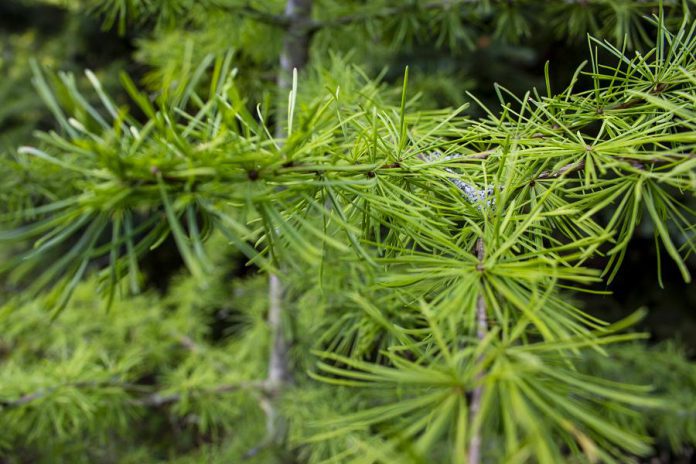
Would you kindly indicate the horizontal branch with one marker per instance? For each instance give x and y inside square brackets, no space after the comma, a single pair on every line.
[407,6]
[311,26]
[285,22]
[47,391]
[155,399]
[634,162]
[158,399]
[390,12]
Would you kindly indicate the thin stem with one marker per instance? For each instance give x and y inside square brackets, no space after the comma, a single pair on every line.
[477,394]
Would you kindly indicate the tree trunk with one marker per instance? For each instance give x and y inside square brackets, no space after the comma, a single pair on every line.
[293,56]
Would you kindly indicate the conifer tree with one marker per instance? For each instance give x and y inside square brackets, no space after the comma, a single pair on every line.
[423,261]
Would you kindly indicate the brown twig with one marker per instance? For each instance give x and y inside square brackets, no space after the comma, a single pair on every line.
[480,155]
[571,167]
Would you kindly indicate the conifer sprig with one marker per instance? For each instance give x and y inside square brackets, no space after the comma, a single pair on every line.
[456,352]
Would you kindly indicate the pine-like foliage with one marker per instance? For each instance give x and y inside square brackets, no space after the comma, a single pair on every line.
[429,261]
